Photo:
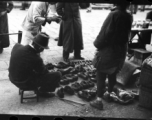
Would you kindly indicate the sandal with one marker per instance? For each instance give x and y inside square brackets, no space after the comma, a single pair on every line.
[97,104]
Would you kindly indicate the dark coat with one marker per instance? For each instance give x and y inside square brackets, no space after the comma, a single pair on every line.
[4,39]
[70,34]
[112,40]
[25,64]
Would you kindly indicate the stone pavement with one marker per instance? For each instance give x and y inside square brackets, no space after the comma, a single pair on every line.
[10,100]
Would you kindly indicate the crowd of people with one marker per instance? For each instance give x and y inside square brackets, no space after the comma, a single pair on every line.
[26,67]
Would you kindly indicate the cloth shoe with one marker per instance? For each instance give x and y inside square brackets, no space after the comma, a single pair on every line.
[106,97]
[97,104]
[60,92]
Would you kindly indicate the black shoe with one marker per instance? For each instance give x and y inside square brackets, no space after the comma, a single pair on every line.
[78,58]
[68,90]
[60,92]
[46,94]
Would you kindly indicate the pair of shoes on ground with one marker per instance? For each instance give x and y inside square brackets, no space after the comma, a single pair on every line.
[97,104]
[86,84]
[66,79]
[65,71]
[67,89]
[83,75]
[61,65]
[82,85]
[78,58]
[87,94]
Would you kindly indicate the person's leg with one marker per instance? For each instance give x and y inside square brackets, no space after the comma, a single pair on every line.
[111,81]
[101,78]
[65,55]
[77,54]
[49,82]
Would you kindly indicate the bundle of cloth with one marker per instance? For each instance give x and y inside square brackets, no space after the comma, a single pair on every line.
[122,96]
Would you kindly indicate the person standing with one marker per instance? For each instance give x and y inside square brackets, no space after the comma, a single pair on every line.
[70,33]
[35,18]
[5,7]
[111,44]
[26,67]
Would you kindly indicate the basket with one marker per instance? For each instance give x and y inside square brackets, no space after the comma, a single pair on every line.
[145,97]
[146,77]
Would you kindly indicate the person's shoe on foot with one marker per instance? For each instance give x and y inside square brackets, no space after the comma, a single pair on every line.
[97,104]
[78,57]
[107,97]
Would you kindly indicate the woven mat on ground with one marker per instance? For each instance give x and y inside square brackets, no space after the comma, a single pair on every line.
[126,72]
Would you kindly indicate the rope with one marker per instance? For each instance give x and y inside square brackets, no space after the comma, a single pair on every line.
[11,33]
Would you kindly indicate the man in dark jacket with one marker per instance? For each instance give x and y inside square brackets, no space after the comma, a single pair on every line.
[26,68]
[112,46]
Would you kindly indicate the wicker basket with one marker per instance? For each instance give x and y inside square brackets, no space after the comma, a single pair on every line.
[145,97]
[146,77]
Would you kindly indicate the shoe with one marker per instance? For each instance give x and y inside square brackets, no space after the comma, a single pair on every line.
[46,94]
[97,104]
[76,86]
[74,71]
[88,11]
[60,92]
[93,79]
[62,65]
[106,97]
[65,71]
[49,66]
[83,75]
[84,95]
[68,90]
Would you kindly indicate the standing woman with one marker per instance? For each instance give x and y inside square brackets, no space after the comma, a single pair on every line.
[70,34]
[5,7]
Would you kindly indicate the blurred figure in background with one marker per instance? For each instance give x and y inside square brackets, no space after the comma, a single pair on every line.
[5,7]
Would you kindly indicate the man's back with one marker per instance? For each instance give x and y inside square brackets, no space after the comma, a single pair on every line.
[23,62]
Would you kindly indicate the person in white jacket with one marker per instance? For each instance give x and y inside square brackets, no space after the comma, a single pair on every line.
[36,17]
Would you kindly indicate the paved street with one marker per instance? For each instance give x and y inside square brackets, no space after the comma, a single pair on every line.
[10,100]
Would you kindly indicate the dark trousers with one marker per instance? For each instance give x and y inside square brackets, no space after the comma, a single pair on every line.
[77,53]
[47,83]
[101,78]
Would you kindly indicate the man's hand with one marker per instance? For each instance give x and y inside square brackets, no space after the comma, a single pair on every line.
[54,18]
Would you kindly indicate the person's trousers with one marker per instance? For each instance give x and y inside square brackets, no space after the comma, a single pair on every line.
[77,53]
[50,81]
[101,78]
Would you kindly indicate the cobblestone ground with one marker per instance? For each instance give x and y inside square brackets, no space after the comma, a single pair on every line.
[10,100]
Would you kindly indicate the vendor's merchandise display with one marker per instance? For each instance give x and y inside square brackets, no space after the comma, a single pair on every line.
[79,78]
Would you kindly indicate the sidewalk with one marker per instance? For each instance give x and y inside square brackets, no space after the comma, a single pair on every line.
[10,99]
